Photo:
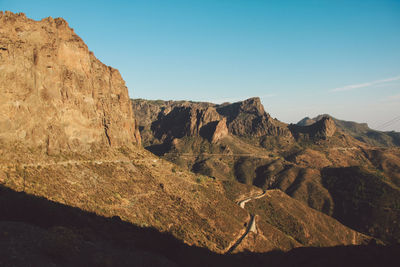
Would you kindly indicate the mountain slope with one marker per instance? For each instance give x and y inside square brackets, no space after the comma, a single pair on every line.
[261,151]
[360,131]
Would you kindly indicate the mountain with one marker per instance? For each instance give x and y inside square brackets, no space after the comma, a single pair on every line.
[323,128]
[308,162]
[55,94]
[360,131]
[77,188]
[171,120]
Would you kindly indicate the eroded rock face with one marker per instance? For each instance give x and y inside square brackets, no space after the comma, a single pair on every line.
[166,120]
[220,131]
[54,93]
[248,118]
[193,120]
[328,127]
[322,129]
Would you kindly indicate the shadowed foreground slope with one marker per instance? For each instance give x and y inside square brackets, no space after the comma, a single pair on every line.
[46,233]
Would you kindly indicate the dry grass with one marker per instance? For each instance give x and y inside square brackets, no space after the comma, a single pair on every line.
[139,188]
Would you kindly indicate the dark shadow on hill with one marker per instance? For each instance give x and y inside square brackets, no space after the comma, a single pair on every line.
[159,149]
[40,232]
[364,201]
[82,229]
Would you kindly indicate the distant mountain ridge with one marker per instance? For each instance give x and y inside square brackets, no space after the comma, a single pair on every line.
[360,131]
[162,121]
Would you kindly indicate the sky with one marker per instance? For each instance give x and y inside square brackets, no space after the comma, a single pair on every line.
[302,58]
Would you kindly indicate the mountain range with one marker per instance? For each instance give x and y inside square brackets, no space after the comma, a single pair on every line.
[90,177]
[360,131]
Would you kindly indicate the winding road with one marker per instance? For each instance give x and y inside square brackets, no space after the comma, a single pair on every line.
[251,225]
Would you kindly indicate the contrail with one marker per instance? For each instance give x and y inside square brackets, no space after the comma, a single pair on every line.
[362,85]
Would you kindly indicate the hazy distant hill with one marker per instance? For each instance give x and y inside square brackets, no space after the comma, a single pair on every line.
[360,131]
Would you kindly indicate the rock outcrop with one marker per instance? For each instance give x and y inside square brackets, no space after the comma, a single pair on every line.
[54,93]
[322,129]
[167,120]
[210,135]
[220,131]
[171,120]
[359,131]
[187,121]
[306,121]
[248,118]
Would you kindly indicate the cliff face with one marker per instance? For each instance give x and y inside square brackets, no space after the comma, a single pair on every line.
[209,135]
[166,120]
[190,121]
[322,129]
[248,118]
[197,129]
[54,93]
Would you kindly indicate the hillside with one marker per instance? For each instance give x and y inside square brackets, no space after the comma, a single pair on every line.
[360,131]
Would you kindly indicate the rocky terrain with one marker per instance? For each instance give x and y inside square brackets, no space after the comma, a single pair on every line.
[78,189]
[360,131]
[175,120]
[318,162]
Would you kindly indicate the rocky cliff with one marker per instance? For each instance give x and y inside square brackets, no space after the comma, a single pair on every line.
[190,121]
[196,129]
[54,93]
[166,120]
[321,129]
[359,131]
[248,118]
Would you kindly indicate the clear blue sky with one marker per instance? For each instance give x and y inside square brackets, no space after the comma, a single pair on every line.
[303,58]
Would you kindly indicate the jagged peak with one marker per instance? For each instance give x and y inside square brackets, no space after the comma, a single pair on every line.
[305,121]
[321,116]
[22,16]
[9,14]
[323,128]
[255,99]
[251,106]
[254,104]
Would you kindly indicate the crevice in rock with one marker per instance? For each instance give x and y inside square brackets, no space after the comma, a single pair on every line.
[106,131]
[35,56]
